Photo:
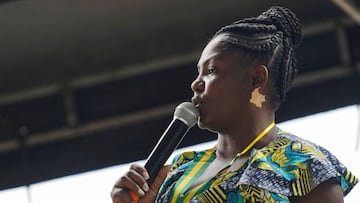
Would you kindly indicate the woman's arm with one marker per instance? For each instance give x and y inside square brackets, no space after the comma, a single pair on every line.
[328,191]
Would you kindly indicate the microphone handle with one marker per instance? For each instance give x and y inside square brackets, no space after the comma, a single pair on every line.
[168,142]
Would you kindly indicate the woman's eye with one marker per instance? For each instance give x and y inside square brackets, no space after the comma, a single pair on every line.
[211,70]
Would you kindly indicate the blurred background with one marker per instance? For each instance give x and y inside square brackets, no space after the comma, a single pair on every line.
[91,85]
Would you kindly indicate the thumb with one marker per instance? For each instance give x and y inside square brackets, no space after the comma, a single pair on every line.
[155,186]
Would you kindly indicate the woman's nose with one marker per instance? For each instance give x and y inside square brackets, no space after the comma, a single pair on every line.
[197,85]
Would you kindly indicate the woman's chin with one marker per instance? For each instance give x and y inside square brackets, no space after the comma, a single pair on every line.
[201,124]
[204,126]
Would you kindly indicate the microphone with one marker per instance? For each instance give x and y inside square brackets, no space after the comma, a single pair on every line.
[185,117]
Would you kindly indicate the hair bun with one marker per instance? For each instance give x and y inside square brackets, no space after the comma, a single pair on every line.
[286,21]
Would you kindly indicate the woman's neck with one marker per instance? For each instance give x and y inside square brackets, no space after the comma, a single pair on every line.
[231,143]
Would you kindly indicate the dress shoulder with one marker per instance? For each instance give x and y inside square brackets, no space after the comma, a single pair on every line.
[292,166]
[183,158]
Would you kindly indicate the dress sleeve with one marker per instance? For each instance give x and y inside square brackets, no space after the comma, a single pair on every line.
[295,168]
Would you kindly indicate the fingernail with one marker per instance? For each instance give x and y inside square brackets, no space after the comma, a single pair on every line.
[140,192]
[145,187]
[146,176]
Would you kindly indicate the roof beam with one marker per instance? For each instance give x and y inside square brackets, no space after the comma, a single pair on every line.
[349,8]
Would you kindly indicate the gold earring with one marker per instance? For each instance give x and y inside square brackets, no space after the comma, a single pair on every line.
[257,98]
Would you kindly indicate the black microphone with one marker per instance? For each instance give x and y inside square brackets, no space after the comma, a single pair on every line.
[185,117]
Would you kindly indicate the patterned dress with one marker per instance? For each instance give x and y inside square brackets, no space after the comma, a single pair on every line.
[288,166]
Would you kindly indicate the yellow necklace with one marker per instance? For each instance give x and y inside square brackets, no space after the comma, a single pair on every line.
[194,170]
[257,138]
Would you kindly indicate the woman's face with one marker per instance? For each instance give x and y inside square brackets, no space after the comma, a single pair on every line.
[222,88]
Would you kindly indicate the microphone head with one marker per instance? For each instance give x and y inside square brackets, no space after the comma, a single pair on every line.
[187,113]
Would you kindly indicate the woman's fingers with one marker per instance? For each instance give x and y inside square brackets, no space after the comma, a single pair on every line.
[141,170]
[120,195]
[155,186]
[133,180]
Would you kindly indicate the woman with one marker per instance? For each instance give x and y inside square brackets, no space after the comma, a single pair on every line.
[244,73]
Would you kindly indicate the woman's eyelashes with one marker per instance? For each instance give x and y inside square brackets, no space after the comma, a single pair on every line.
[211,70]
[206,71]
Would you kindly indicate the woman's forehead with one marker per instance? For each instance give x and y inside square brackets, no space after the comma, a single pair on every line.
[205,58]
[211,51]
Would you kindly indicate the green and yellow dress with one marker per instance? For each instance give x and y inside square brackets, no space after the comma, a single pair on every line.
[288,166]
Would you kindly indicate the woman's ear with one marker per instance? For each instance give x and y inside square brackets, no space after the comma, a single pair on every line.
[260,76]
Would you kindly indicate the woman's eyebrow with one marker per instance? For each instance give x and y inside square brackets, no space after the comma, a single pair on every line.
[206,61]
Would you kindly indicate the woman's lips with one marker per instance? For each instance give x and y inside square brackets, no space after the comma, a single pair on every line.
[196,101]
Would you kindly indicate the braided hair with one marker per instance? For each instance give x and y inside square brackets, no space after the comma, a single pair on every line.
[269,39]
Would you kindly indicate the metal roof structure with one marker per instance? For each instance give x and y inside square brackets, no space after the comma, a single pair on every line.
[90,84]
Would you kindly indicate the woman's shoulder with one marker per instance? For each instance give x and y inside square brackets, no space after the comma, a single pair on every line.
[296,149]
[291,166]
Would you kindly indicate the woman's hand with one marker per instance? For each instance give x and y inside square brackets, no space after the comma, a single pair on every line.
[134,180]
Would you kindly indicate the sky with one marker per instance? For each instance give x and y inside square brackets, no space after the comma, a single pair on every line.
[337,130]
